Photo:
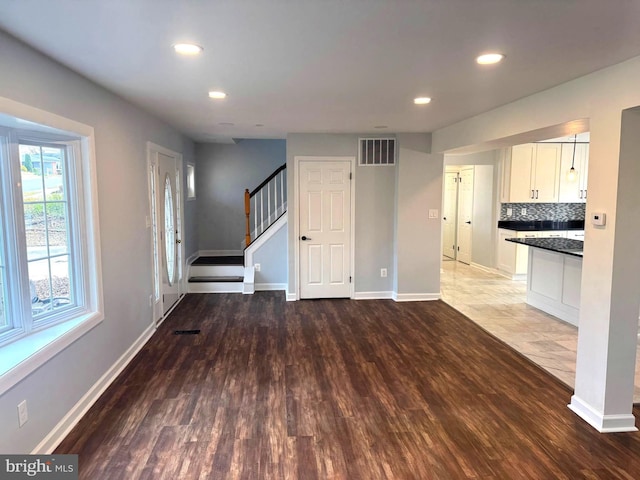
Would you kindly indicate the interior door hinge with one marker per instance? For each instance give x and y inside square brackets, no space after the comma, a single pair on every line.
[349,279]
[350,175]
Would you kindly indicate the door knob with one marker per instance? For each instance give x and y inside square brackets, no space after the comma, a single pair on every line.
[303,237]
[178,241]
[468,223]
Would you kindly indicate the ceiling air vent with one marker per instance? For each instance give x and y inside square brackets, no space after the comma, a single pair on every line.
[377,151]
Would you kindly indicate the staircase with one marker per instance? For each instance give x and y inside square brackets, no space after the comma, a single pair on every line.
[228,274]
[220,274]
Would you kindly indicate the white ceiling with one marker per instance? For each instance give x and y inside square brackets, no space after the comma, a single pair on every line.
[325,66]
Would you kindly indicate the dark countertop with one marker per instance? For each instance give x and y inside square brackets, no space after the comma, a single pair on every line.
[538,225]
[568,246]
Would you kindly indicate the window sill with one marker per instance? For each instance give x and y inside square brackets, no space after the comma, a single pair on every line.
[20,358]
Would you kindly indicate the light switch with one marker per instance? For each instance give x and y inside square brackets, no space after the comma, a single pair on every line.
[599,219]
[433,213]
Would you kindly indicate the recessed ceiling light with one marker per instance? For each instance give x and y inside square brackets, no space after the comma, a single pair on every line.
[217,95]
[489,58]
[380,126]
[227,124]
[187,48]
[421,100]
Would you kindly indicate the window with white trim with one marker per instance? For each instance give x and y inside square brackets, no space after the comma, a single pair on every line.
[44,274]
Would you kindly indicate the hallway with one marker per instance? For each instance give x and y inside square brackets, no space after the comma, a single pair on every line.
[498,305]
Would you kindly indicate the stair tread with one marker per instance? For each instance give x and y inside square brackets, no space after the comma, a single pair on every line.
[220,260]
[209,278]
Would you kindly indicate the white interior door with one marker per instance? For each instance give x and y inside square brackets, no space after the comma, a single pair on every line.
[465,214]
[325,229]
[449,213]
[166,230]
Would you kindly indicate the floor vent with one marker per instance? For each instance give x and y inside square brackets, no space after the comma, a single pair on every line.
[186,332]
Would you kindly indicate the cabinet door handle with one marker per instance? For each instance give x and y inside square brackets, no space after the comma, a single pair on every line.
[536,194]
[531,193]
[581,193]
[585,195]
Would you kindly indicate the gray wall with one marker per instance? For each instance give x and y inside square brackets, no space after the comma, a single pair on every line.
[223,172]
[272,257]
[121,133]
[417,237]
[374,190]
[376,245]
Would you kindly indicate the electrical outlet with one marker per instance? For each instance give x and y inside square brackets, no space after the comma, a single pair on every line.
[383,272]
[509,212]
[257,267]
[23,414]
[523,211]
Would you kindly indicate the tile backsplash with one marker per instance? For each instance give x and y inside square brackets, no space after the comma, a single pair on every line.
[543,211]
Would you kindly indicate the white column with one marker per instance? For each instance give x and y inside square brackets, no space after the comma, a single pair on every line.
[610,300]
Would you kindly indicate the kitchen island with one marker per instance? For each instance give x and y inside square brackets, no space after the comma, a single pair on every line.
[554,276]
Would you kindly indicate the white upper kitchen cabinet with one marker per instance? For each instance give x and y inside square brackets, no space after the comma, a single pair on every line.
[574,191]
[534,173]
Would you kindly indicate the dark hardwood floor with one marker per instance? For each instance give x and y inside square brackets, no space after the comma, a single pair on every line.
[337,389]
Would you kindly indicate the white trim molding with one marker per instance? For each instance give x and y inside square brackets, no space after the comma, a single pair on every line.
[373,295]
[602,423]
[62,429]
[292,297]
[415,297]
[262,239]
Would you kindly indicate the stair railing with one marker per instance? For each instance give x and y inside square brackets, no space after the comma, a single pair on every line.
[267,202]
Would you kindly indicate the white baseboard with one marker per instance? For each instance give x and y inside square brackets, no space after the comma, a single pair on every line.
[485,268]
[219,253]
[415,297]
[64,426]
[372,295]
[261,287]
[603,423]
[291,297]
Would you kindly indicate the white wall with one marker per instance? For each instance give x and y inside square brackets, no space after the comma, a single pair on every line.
[223,172]
[594,102]
[121,133]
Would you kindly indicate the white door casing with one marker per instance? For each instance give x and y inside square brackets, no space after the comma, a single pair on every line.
[325,227]
[449,213]
[465,215]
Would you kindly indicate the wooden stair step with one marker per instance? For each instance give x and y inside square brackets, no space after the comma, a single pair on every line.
[207,279]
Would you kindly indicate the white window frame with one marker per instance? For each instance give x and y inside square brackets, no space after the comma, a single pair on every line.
[191,181]
[31,344]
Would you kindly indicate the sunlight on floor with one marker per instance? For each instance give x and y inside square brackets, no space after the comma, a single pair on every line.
[498,305]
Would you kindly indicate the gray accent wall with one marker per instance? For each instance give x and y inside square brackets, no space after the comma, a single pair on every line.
[121,133]
[272,257]
[223,172]
[417,250]
[374,191]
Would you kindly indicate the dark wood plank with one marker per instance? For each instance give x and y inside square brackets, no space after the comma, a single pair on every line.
[337,389]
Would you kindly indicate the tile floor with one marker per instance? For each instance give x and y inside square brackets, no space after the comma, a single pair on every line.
[498,305]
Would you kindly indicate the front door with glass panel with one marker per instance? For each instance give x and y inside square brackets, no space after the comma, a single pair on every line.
[164,184]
